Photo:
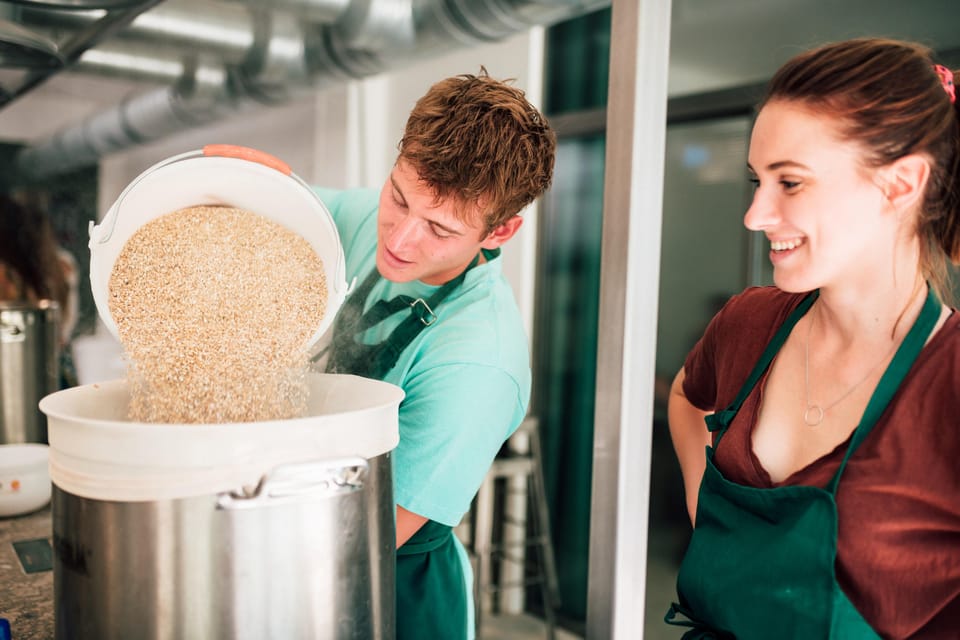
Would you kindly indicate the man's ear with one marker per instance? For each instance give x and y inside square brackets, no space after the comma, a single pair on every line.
[905,181]
[501,233]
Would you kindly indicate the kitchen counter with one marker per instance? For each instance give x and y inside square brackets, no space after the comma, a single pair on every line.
[26,599]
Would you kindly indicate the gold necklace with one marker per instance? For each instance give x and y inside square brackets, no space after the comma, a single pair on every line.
[813,415]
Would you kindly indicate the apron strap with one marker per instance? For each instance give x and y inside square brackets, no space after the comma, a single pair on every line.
[439,534]
[904,358]
[432,593]
[720,420]
[698,630]
[350,313]
[381,358]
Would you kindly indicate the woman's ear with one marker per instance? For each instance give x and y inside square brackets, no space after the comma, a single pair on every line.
[500,234]
[905,181]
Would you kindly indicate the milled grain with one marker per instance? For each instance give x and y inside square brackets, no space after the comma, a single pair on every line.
[214,307]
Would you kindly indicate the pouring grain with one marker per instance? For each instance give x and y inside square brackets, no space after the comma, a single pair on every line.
[214,307]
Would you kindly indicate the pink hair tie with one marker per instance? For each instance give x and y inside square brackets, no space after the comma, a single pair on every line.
[946,79]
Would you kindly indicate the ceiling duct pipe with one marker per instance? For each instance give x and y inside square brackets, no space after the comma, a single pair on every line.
[497,19]
[369,37]
[267,46]
[205,94]
[275,70]
[311,10]
[288,56]
[133,61]
[222,29]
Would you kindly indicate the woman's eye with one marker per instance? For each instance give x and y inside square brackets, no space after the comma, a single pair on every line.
[788,185]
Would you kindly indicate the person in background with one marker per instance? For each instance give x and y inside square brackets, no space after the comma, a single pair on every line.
[33,267]
[433,314]
[828,502]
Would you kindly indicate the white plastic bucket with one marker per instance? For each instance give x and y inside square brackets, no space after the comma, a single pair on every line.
[95,452]
[227,175]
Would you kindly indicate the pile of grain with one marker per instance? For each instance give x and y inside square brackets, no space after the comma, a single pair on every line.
[214,307]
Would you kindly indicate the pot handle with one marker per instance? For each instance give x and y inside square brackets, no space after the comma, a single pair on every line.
[299,482]
[12,330]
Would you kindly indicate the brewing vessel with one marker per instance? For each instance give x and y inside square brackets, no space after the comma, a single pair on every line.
[29,360]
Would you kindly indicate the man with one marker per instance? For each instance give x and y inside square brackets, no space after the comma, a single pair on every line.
[433,314]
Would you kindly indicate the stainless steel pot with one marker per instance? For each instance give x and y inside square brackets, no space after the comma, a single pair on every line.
[257,530]
[29,357]
[308,553]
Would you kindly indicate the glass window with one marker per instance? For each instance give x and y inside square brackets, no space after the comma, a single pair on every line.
[566,354]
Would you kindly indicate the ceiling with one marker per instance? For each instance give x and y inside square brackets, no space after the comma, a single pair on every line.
[715,44]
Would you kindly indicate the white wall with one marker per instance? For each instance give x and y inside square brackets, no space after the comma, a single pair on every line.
[343,135]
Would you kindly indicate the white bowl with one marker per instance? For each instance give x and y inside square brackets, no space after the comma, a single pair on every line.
[24,478]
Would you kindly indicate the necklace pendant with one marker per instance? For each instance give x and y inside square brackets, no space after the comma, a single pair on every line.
[813,415]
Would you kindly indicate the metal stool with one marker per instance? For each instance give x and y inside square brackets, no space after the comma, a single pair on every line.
[499,530]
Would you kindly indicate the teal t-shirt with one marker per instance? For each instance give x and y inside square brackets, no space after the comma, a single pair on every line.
[466,377]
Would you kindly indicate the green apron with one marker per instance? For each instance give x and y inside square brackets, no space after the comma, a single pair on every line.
[348,354]
[431,588]
[431,594]
[760,563]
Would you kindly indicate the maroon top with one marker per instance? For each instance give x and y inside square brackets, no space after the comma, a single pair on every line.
[898,502]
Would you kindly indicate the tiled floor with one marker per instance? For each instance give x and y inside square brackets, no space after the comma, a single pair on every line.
[661,581]
[662,557]
[518,627]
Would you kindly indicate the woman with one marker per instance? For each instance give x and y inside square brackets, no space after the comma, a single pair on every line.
[828,502]
[34,267]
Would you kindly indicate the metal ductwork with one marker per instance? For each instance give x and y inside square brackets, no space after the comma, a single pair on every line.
[219,59]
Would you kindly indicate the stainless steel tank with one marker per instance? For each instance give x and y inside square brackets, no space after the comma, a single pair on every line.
[243,531]
[29,360]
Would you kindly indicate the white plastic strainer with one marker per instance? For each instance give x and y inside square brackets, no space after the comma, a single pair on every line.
[227,175]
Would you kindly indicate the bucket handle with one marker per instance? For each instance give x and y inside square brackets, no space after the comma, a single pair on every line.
[300,482]
[246,153]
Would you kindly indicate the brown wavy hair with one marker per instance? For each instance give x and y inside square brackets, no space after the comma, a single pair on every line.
[28,246]
[478,140]
[886,96]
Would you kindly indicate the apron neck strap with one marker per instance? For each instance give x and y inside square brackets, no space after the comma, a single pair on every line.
[720,420]
[903,359]
[424,309]
[376,360]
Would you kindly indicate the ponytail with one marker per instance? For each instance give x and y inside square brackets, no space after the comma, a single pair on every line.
[948,229]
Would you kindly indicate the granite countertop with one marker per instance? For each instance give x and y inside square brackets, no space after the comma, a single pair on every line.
[26,599]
